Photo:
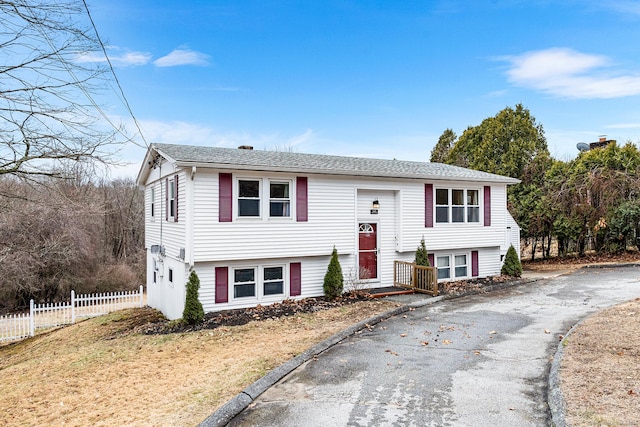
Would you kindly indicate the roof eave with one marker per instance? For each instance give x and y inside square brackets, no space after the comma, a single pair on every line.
[264,168]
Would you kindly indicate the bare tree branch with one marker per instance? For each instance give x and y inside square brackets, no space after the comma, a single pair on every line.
[47,108]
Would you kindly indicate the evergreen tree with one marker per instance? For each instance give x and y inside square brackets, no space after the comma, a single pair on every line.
[422,256]
[193,312]
[512,265]
[445,144]
[504,144]
[333,279]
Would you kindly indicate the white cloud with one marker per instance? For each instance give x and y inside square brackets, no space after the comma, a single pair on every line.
[125,59]
[624,126]
[622,6]
[571,74]
[182,57]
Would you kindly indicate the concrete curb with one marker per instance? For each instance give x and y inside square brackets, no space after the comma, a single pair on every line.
[555,398]
[243,399]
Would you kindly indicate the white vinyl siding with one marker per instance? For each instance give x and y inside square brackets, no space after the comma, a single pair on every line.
[336,205]
[250,238]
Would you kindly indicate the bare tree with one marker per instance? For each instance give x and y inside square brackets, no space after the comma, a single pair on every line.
[47,109]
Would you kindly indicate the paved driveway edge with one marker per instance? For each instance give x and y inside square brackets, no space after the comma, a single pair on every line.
[243,399]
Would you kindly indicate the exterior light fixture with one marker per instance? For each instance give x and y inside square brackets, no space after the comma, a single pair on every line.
[375,205]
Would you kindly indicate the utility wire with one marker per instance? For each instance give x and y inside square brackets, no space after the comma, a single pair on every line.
[81,86]
[124,98]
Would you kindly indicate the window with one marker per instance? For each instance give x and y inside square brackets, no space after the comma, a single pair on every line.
[170,275]
[442,205]
[457,208]
[172,198]
[153,202]
[457,205]
[264,198]
[244,282]
[279,201]
[248,197]
[473,206]
[444,267]
[461,265]
[155,277]
[273,281]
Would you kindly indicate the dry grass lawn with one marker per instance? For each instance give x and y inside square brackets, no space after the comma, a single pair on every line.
[98,372]
[600,370]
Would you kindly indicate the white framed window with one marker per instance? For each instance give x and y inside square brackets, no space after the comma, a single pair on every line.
[258,282]
[244,283]
[456,205]
[171,275]
[273,281]
[264,198]
[461,267]
[172,198]
[153,202]
[442,205]
[279,199]
[473,206]
[249,197]
[443,263]
[452,266]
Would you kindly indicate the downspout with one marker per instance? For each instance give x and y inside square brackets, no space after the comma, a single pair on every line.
[189,216]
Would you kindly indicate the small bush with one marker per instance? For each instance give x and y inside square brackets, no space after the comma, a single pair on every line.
[333,280]
[422,256]
[193,312]
[512,265]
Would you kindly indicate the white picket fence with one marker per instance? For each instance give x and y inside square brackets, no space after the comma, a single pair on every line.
[18,326]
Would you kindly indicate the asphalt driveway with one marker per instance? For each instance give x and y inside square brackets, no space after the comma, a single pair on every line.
[481,360]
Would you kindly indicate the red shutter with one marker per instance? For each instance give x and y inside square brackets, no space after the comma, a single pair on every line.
[166,199]
[301,199]
[222,285]
[175,199]
[295,279]
[487,206]
[428,205]
[474,263]
[432,260]
[225,199]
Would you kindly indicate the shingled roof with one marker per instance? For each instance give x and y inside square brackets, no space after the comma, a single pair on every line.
[281,161]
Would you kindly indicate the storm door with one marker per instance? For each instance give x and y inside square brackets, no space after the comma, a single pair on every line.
[367,251]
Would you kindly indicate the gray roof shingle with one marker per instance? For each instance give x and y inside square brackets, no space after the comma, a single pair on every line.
[231,158]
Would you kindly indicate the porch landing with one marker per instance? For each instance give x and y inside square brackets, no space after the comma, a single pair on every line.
[388,291]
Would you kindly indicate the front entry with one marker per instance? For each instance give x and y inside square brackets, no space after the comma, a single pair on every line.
[367,251]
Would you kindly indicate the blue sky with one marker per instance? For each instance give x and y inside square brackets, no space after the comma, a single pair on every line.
[369,78]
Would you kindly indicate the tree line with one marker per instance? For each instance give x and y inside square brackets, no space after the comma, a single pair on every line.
[60,228]
[592,201]
[74,233]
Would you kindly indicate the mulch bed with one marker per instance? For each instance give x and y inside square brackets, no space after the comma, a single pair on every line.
[243,316]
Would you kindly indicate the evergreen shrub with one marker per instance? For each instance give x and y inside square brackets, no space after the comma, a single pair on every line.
[193,312]
[422,257]
[512,265]
[333,279]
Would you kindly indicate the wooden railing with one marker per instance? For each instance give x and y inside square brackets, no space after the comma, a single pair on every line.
[415,277]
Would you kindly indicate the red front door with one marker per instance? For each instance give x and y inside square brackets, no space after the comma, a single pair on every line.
[367,251]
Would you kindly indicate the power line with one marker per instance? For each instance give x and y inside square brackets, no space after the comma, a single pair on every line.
[81,86]
[124,98]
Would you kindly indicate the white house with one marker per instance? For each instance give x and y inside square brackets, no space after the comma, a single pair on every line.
[259,226]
